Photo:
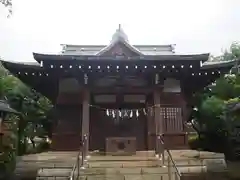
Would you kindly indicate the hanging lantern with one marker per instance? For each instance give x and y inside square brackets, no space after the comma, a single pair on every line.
[107,112]
[137,113]
[131,113]
[113,114]
[120,113]
[144,111]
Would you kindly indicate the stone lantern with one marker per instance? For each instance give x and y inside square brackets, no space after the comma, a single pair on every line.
[4,110]
[6,166]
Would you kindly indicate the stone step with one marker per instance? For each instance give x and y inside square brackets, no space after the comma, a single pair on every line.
[144,170]
[141,161]
[193,163]
[48,156]
[102,177]
[146,153]
[48,173]
[110,177]
[122,164]
[122,158]
[109,173]
[53,178]
[193,154]
[45,165]
[29,171]
[138,153]
[111,163]
[106,173]
[186,162]
[126,177]
[123,171]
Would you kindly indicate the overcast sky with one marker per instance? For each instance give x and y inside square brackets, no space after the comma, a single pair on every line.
[195,26]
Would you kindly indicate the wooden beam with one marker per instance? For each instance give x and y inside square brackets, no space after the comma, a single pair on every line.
[129,90]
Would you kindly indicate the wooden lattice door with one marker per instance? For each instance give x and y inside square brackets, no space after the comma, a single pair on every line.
[172,119]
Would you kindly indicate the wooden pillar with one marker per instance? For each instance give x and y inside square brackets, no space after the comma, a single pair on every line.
[85,116]
[157,115]
[151,127]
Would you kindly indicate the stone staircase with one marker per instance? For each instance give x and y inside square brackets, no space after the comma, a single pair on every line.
[143,165]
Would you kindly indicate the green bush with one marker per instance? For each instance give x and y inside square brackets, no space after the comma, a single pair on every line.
[194,142]
[208,142]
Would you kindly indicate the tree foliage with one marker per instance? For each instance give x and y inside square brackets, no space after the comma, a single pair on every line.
[209,113]
[34,108]
[228,55]
[33,121]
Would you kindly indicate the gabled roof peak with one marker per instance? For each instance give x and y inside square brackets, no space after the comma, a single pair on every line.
[119,35]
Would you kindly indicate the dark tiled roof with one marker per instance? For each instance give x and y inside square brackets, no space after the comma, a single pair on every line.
[35,66]
[218,64]
[50,57]
[21,65]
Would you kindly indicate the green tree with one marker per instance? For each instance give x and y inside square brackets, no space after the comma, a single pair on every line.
[209,112]
[228,55]
[34,108]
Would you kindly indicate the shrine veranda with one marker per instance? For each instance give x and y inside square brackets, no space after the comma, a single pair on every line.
[121,96]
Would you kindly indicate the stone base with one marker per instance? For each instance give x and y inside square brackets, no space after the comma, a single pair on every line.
[121,145]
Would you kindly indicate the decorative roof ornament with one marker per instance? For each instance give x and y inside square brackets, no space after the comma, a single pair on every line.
[119,35]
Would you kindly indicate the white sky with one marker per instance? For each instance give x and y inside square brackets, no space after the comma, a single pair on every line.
[196,26]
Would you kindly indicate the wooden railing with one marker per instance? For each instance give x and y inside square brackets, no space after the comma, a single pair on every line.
[173,171]
[81,158]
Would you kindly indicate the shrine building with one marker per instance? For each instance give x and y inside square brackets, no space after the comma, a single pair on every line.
[121,96]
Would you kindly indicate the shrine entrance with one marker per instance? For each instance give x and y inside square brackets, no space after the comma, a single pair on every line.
[118,125]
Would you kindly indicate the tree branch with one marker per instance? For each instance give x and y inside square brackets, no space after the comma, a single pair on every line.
[8,4]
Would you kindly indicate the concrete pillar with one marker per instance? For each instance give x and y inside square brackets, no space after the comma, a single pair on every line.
[85,116]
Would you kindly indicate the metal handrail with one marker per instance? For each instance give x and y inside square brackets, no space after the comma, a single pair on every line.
[169,158]
[79,163]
